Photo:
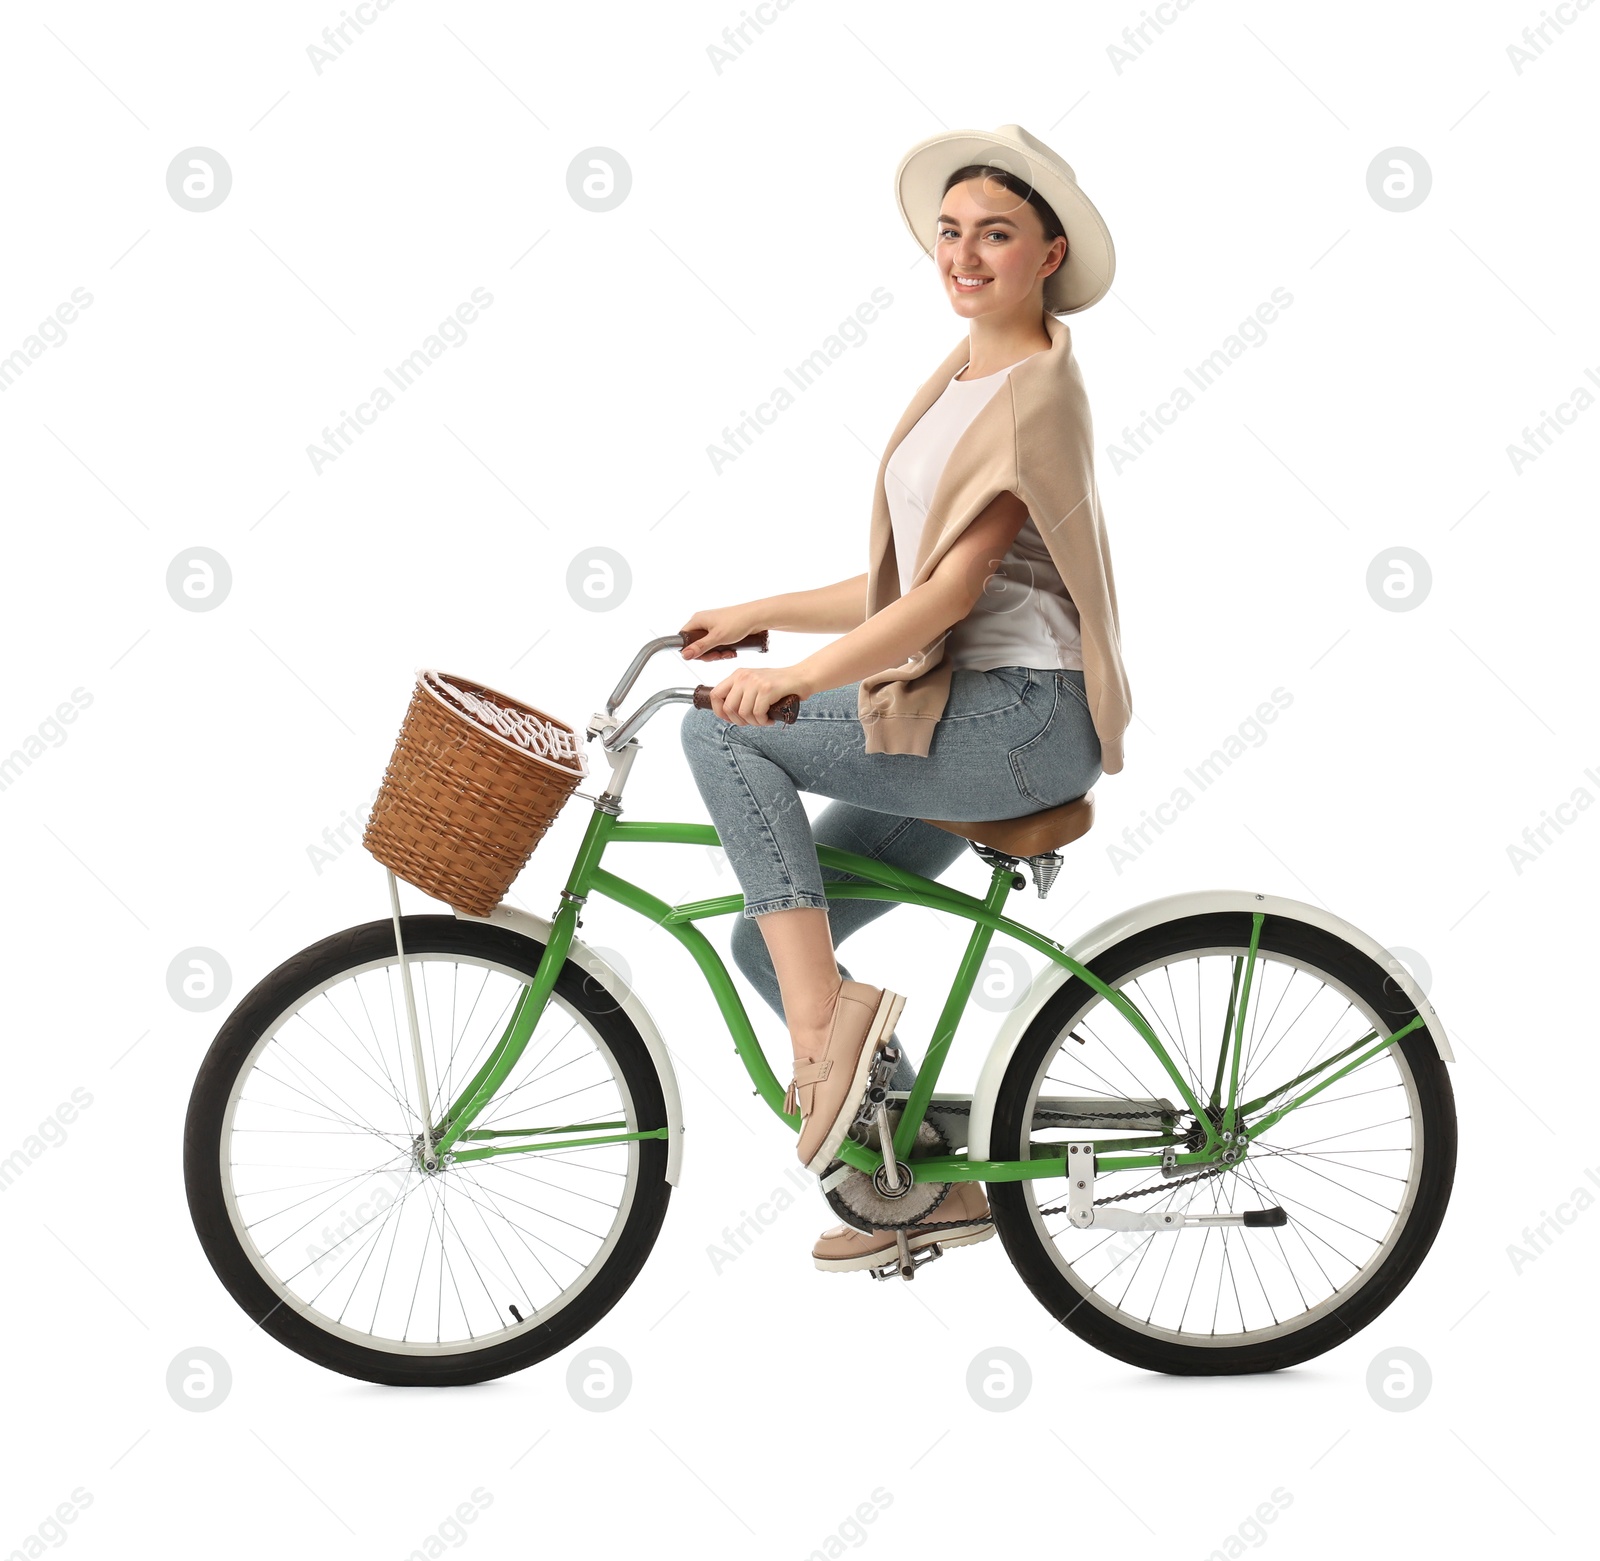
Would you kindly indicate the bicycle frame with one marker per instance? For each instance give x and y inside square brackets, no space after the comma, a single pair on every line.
[880,882]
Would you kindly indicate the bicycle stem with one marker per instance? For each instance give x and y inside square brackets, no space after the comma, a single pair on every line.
[619,737]
[616,735]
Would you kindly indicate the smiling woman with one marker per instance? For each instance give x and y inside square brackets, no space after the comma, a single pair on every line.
[976,670]
[977,201]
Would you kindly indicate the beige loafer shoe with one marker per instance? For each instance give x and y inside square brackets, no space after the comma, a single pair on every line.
[845,1248]
[827,1090]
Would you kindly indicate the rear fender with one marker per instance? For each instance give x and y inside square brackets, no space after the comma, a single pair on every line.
[1140,918]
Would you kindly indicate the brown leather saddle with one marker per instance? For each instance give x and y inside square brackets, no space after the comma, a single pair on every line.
[1035,837]
[1034,834]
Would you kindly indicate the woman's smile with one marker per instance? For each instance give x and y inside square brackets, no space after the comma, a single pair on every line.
[970,284]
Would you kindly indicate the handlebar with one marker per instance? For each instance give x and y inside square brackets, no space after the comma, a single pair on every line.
[784,709]
[756,641]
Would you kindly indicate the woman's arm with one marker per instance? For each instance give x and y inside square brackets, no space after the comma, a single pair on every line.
[888,637]
[828,609]
[926,611]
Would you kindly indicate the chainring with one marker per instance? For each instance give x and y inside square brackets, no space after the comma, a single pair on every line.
[858,1203]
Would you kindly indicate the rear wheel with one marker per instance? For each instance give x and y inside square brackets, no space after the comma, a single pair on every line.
[1363,1170]
[306,1187]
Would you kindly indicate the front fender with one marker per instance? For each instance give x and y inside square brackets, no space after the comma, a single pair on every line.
[538,928]
[1172,907]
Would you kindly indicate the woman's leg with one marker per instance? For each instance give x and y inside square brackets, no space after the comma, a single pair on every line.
[1010,741]
[895,840]
[799,947]
[767,837]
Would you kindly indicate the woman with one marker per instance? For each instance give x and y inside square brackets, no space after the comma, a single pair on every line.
[988,598]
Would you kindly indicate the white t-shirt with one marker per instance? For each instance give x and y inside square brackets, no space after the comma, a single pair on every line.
[1025,618]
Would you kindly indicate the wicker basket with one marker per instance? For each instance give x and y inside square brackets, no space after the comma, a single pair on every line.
[475,780]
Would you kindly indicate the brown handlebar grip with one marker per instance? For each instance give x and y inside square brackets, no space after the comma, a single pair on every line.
[785,709]
[755,641]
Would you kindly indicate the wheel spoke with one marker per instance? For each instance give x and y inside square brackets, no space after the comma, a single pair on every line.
[307,1150]
[1345,1178]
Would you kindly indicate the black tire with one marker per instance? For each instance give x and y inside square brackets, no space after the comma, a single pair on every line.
[1034,1255]
[279,993]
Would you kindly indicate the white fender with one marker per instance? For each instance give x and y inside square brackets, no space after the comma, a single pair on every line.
[538,928]
[1138,918]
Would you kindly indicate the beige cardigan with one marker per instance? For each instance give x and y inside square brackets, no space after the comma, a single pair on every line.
[1033,438]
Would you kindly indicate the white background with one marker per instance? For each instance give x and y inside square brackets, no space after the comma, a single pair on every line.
[1229,158]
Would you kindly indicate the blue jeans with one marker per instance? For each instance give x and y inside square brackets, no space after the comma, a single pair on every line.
[1011,741]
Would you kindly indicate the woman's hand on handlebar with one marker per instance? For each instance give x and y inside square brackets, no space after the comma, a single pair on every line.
[744,695]
[720,626]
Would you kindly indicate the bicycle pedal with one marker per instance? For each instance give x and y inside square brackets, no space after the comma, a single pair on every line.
[877,1090]
[907,1260]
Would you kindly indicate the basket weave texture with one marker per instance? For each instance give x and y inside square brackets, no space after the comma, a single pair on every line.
[475,780]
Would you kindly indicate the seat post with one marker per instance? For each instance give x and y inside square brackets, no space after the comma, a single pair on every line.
[1044,868]
[1003,875]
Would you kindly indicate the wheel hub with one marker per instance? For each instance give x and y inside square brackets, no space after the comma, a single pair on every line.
[1234,1144]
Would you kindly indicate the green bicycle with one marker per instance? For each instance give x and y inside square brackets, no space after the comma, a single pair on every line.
[1217,1133]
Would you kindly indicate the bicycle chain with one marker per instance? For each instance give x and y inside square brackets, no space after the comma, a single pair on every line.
[1145,1192]
[961,1108]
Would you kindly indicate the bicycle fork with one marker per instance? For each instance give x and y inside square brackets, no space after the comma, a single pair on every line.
[429,1158]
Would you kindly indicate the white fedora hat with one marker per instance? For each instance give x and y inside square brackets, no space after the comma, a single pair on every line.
[1085,275]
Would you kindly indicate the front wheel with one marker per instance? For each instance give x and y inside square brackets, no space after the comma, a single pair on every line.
[1363,1170]
[307,1190]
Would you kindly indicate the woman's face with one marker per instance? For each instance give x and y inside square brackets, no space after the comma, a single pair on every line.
[991,250]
